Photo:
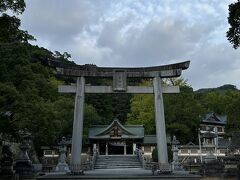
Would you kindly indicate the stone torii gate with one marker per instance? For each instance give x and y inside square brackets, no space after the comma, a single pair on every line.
[119,76]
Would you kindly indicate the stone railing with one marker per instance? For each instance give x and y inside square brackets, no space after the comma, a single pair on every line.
[140,156]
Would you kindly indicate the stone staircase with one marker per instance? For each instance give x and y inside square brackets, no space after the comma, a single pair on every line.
[117,161]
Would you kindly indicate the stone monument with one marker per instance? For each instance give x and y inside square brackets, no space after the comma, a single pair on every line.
[6,161]
[62,166]
[119,76]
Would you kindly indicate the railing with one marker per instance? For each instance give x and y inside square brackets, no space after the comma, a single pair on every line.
[140,157]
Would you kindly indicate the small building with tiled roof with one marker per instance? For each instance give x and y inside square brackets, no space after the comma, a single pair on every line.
[213,122]
[211,139]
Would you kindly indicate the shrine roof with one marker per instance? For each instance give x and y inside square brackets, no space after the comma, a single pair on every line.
[105,131]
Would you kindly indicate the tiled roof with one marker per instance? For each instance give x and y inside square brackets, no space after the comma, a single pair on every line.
[128,131]
[214,118]
[150,139]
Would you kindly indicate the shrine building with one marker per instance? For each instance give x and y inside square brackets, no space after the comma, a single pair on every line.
[118,139]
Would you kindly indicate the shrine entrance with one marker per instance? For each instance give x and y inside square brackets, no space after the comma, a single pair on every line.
[115,149]
[119,85]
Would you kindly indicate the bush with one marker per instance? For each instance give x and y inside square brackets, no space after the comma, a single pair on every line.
[155,155]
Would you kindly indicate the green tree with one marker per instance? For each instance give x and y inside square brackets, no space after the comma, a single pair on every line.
[142,112]
[16,6]
[10,32]
[215,102]
[8,101]
[233,114]
[91,117]
[233,34]
[181,112]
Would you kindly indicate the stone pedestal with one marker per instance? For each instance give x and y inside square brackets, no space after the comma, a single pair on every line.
[62,167]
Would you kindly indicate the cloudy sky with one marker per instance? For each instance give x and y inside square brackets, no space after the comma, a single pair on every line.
[140,33]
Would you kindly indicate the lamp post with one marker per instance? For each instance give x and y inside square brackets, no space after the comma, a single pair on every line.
[200,145]
[216,142]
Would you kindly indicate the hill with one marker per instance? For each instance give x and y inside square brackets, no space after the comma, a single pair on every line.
[221,89]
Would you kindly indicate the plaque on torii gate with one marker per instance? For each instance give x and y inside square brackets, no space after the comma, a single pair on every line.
[119,76]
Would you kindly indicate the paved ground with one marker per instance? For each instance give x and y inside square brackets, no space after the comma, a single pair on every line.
[131,173]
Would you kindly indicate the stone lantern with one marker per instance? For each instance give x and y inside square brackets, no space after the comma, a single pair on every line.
[62,166]
[176,166]
[23,165]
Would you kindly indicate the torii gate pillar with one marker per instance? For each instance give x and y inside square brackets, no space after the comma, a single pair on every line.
[160,126]
[78,126]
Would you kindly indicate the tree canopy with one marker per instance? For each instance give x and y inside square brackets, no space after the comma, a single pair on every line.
[233,34]
[16,6]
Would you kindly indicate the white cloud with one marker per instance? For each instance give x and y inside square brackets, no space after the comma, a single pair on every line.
[140,33]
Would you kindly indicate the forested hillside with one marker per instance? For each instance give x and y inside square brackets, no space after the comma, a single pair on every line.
[29,98]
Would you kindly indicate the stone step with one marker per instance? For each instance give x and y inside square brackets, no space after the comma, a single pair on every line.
[116,157]
[119,157]
[117,161]
[136,164]
[113,156]
[117,166]
[104,163]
